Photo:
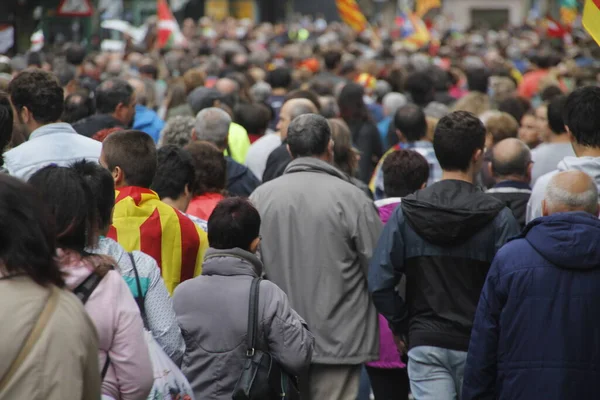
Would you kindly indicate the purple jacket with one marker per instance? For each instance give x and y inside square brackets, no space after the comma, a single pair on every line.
[388,353]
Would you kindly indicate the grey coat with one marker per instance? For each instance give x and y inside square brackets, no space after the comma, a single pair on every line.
[319,232]
[212,311]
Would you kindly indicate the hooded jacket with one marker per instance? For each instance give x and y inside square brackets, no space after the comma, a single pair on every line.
[147,120]
[443,238]
[589,165]
[536,328]
[240,180]
[212,311]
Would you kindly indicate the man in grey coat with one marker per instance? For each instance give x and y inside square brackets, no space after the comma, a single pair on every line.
[318,234]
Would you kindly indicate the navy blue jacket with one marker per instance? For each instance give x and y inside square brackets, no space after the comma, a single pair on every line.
[537,327]
[240,180]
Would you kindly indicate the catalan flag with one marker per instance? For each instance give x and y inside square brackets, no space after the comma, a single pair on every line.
[350,13]
[423,6]
[142,222]
[591,19]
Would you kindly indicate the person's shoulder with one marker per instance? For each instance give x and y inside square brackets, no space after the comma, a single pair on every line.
[542,182]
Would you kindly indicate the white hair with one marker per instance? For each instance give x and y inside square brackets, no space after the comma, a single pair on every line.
[392,102]
[212,125]
[557,197]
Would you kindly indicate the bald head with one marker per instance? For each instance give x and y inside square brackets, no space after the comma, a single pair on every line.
[571,191]
[227,86]
[511,159]
[291,110]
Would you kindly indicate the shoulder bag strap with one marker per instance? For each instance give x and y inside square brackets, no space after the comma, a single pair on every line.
[139,299]
[87,287]
[253,317]
[33,337]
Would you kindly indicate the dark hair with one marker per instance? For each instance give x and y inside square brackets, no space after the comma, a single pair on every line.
[6,123]
[550,92]
[308,135]
[65,74]
[411,122]
[27,235]
[304,94]
[420,85]
[404,172]
[111,93]
[149,69]
[72,204]
[457,136]
[280,78]
[322,87]
[233,223]
[478,80]
[332,59]
[581,115]
[515,106]
[102,185]
[345,157]
[352,104]
[254,117]
[77,107]
[517,165]
[555,114]
[210,166]
[174,171]
[35,59]
[40,92]
[75,54]
[135,153]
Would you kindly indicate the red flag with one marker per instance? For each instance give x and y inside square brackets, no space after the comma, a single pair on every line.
[169,33]
[555,29]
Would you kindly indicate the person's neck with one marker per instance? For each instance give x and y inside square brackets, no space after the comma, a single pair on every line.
[582,151]
[178,204]
[561,138]
[512,178]
[279,92]
[465,176]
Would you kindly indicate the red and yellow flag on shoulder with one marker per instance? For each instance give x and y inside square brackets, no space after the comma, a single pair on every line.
[351,15]
[591,19]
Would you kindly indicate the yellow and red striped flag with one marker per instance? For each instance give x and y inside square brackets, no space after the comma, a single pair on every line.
[423,6]
[350,13]
[142,222]
[591,19]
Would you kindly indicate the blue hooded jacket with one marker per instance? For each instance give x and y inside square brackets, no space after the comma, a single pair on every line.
[147,120]
[536,333]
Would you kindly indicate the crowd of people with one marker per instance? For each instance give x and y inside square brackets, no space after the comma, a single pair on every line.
[418,222]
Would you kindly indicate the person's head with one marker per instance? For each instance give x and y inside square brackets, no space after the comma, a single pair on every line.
[177,131]
[500,126]
[410,123]
[332,60]
[117,98]
[528,132]
[193,78]
[71,203]
[227,86]
[139,88]
[581,116]
[392,102]
[210,168]
[420,85]
[515,106]
[290,110]
[202,98]
[541,116]
[352,104]
[260,91]
[473,102]
[478,80]
[329,107]
[458,141]
[75,54]
[345,157]
[254,117]
[404,172]
[309,135]
[130,157]
[175,176]
[66,75]
[234,223]
[212,125]
[570,191]
[6,124]
[102,185]
[555,115]
[28,234]
[280,78]
[37,99]
[77,106]
[148,71]
[304,94]
[511,160]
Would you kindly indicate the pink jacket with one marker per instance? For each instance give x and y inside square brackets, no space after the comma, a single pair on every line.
[120,330]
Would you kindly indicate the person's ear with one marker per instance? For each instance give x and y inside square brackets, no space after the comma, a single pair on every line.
[254,245]
[187,192]
[400,135]
[330,150]
[570,135]
[477,156]
[490,169]
[25,115]
[545,210]
[287,146]
[423,186]
[118,177]
[194,136]
[529,171]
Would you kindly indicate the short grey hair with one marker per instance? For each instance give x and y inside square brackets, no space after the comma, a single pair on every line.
[557,197]
[301,108]
[260,91]
[308,136]
[212,125]
[392,102]
[177,131]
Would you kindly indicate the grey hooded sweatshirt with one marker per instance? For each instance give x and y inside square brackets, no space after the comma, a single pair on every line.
[212,310]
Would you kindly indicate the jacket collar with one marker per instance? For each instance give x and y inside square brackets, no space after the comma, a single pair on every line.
[51,129]
[512,184]
[231,262]
[311,164]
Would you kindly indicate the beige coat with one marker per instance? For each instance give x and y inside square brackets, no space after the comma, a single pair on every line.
[63,364]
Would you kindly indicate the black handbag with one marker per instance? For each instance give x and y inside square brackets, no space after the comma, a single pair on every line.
[262,377]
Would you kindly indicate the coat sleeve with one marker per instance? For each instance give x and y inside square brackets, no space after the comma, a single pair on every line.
[481,366]
[385,271]
[129,357]
[508,228]
[161,318]
[367,229]
[290,342]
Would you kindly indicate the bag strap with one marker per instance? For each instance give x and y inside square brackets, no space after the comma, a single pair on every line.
[87,287]
[33,337]
[139,299]
[253,317]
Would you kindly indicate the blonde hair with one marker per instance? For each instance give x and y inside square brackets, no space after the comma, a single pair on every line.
[474,102]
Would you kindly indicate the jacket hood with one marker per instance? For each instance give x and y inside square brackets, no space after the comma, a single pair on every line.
[144,116]
[589,165]
[568,240]
[311,164]
[231,262]
[450,211]
[235,170]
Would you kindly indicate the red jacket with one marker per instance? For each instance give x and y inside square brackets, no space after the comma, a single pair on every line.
[203,206]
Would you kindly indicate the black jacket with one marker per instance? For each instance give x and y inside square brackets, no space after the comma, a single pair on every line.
[443,238]
[95,123]
[277,161]
[240,180]
[515,195]
[365,137]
